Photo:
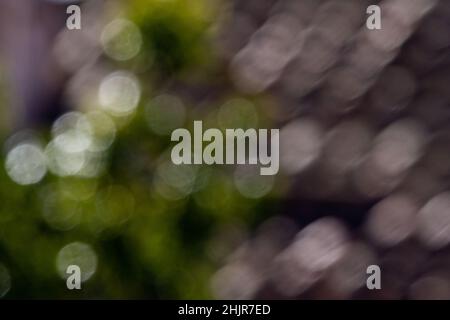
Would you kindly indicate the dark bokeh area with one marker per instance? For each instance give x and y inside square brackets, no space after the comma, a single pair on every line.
[86,177]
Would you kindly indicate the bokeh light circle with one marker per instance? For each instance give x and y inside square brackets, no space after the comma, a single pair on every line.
[80,254]
[26,164]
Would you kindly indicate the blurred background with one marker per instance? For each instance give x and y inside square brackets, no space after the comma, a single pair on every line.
[86,176]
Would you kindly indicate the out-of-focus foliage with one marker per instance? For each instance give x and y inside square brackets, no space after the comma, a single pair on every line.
[175,32]
[150,227]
